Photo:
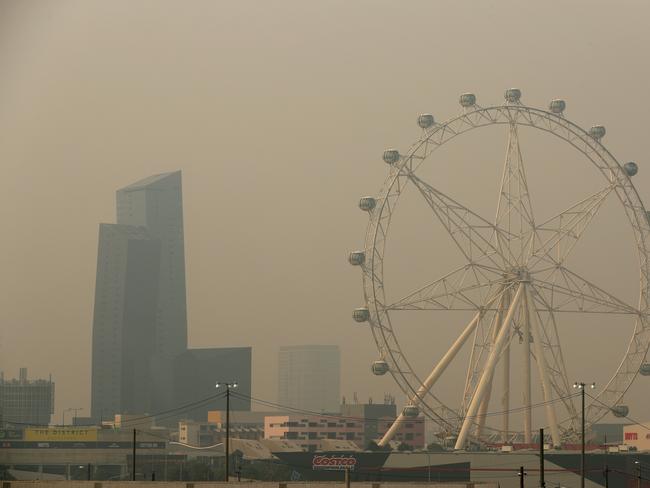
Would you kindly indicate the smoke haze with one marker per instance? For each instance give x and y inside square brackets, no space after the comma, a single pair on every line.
[277,113]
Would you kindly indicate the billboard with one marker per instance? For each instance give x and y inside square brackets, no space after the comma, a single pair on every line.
[48,434]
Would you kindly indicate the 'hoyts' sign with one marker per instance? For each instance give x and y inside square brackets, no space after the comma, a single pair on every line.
[334,462]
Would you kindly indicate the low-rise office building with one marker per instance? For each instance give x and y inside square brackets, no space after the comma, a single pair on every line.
[26,402]
[637,436]
[309,430]
[203,434]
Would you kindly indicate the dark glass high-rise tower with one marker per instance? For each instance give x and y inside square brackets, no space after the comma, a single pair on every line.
[140,317]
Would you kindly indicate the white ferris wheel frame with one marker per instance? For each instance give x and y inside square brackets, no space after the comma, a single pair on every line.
[482,247]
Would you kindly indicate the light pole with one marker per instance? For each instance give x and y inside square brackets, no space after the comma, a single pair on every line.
[228,386]
[639,465]
[581,386]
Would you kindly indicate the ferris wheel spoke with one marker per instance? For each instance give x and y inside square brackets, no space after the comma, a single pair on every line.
[470,287]
[535,329]
[559,234]
[554,357]
[471,233]
[569,292]
[514,209]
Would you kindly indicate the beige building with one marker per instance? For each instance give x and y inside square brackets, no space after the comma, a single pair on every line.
[638,436]
[202,434]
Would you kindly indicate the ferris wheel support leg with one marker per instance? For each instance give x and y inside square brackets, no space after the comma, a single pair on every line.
[482,411]
[528,435]
[488,372]
[435,374]
[542,367]
[505,399]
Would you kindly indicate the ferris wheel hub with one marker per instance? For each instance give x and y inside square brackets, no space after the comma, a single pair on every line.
[517,274]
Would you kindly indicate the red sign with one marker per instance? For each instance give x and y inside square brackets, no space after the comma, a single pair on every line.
[334,462]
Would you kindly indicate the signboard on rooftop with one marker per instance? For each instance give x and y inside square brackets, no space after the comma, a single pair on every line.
[334,462]
[60,434]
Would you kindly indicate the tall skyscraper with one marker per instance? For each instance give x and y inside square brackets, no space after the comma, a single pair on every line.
[156,203]
[139,323]
[309,378]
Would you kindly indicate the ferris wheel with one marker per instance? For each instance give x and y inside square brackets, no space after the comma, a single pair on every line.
[516,280]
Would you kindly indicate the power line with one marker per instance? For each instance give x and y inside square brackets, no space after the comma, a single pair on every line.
[163,414]
[623,416]
[334,416]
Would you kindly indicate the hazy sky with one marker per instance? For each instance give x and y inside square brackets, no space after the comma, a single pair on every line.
[277,113]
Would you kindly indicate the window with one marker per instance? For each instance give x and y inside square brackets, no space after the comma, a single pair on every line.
[631,436]
[409,436]
[331,424]
[313,435]
[313,424]
[291,435]
[331,435]
[349,436]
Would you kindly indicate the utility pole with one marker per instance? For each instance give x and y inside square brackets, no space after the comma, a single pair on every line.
[606,476]
[582,444]
[228,386]
[521,476]
[133,460]
[227,432]
[581,387]
[542,483]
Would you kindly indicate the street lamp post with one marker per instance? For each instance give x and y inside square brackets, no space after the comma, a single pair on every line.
[638,473]
[581,386]
[228,386]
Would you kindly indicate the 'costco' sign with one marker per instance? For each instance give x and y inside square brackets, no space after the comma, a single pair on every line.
[333,462]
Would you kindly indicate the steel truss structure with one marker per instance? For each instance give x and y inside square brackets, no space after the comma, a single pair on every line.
[515,278]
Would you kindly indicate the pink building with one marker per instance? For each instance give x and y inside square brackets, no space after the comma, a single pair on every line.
[308,430]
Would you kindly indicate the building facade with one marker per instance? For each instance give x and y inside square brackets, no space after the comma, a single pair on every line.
[139,321]
[124,320]
[203,434]
[196,372]
[309,378]
[26,402]
[637,436]
[309,430]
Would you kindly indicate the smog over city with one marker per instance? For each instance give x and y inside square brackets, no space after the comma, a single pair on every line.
[370,210]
